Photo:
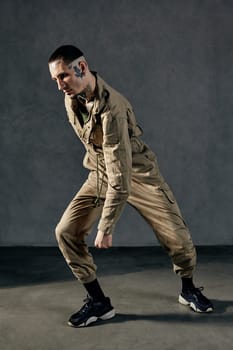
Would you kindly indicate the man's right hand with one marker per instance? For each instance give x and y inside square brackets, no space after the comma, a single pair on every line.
[102,240]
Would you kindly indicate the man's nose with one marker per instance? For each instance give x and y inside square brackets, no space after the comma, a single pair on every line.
[60,84]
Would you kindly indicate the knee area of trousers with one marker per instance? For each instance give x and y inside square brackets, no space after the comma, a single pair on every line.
[61,232]
[65,233]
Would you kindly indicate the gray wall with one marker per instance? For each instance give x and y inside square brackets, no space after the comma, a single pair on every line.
[172,59]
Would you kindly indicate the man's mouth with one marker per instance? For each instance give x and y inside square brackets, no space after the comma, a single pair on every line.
[68,92]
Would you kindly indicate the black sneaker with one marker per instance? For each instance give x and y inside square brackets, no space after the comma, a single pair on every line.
[196,300]
[91,311]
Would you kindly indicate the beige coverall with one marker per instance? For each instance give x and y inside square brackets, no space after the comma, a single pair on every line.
[122,169]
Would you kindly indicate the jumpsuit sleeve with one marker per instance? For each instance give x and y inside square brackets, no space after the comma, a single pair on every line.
[118,163]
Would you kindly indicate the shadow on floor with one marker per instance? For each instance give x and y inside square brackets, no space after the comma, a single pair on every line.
[176,318]
[219,316]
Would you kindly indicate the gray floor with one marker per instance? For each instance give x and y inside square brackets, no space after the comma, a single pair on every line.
[38,293]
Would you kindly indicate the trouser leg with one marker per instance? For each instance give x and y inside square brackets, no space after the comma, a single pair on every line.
[159,208]
[76,222]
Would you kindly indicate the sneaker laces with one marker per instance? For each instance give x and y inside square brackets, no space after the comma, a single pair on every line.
[87,302]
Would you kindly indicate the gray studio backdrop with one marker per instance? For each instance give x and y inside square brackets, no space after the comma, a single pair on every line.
[171,59]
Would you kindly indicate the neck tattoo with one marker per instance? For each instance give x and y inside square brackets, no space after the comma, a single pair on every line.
[86,94]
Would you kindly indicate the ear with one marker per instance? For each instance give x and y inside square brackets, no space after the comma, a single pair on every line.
[83,67]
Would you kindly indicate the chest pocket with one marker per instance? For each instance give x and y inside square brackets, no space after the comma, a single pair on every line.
[96,136]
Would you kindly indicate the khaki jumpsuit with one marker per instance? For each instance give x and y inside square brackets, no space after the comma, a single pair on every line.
[122,169]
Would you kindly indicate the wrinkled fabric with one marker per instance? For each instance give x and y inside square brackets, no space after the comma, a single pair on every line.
[156,204]
[113,134]
[122,169]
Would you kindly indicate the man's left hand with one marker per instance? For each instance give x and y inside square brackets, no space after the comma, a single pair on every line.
[103,241]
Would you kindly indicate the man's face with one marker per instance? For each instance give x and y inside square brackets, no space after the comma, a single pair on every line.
[68,77]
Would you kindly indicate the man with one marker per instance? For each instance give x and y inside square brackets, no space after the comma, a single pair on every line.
[122,169]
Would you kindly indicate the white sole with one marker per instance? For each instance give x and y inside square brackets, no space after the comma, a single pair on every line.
[192,305]
[93,319]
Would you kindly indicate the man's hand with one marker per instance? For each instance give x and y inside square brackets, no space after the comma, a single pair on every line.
[103,241]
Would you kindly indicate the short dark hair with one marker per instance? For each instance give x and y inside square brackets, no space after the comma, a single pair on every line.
[67,53]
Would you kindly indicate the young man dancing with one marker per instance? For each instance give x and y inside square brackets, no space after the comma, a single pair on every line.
[122,169]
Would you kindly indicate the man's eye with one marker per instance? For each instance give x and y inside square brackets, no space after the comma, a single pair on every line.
[62,76]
